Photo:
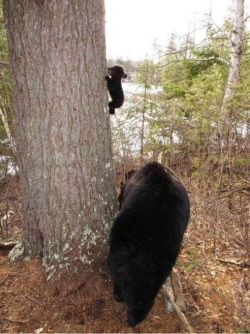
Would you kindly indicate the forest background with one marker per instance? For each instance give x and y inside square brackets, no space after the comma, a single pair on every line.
[175,112]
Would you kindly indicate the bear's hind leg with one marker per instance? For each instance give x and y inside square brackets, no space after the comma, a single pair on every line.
[111,108]
[137,313]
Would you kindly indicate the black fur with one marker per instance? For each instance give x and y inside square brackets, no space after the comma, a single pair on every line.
[146,237]
[114,85]
[128,175]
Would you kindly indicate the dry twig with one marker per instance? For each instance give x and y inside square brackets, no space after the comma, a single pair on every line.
[240,264]
[181,315]
[173,292]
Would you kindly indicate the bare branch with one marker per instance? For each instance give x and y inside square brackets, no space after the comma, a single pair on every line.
[211,58]
[4,64]
[181,315]
[247,18]
[3,115]
[240,264]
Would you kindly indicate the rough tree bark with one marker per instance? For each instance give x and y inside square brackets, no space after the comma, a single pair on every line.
[58,63]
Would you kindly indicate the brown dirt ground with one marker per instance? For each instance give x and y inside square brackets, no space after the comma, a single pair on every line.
[29,302]
[216,292]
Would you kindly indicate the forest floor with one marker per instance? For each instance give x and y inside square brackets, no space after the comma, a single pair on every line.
[213,266]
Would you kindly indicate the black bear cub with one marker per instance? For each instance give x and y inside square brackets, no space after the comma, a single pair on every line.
[146,236]
[114,84]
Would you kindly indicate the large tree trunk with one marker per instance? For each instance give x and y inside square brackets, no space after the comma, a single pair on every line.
[58,62]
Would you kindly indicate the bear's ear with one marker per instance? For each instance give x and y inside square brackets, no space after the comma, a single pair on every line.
[124,75]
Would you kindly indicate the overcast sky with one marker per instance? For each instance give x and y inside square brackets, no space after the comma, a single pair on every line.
[132,26]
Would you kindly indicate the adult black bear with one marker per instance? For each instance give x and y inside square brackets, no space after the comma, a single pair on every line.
[146,237]
[128,175]
[114,85]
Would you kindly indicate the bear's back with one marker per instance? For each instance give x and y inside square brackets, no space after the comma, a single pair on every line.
[154,209]
[155,190]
